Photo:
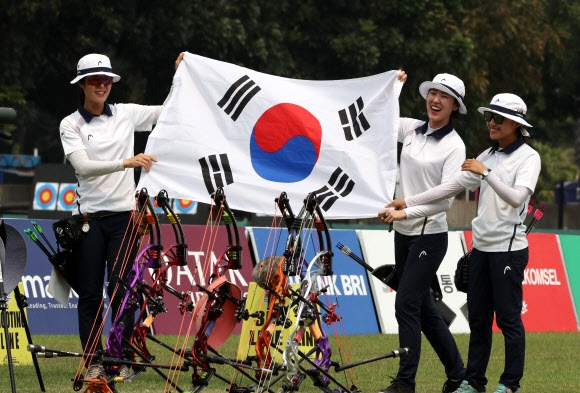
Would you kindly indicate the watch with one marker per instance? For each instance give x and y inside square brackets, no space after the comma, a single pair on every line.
[485,173]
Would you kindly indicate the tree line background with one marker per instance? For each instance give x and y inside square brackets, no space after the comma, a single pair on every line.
[526,47]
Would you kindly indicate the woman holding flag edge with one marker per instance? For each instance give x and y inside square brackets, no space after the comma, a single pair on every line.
[431,155]
[507,173]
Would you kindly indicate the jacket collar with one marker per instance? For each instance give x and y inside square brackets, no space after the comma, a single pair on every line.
[509,148]
[437,134]
[88,116]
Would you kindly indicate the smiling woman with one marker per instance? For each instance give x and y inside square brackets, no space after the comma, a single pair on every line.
[432,154]
[506,175]
[98,140]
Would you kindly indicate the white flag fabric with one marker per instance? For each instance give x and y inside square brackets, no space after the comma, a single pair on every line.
[258,135]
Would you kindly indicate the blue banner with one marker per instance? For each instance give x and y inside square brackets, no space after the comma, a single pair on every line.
[45,314]
[348,286]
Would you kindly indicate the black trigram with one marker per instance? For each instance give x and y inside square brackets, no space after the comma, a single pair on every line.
[356,121]
[339,185]
[245,89]
[216,171]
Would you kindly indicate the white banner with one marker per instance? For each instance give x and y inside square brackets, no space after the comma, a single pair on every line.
[378,248]
[258,135]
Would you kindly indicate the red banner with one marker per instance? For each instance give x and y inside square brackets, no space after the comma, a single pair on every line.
[201,259]
[547,305]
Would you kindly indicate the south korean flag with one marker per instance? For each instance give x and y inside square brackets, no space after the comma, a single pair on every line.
[258,135]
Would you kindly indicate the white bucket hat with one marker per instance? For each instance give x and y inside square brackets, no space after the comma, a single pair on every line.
[94,64]
[510,106]
[449,84]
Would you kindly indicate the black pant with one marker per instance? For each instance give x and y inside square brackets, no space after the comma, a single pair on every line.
[495,285]
[417,260]
[103,247]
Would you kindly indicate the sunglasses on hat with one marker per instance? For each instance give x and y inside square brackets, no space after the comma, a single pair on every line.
[97,80]
[487,115]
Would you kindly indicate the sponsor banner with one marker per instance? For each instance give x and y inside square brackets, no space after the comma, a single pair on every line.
[201,260]
[545,286]
[379,249]
[456,300]
[17,334]
[45,314]
[571,253]
[348,287]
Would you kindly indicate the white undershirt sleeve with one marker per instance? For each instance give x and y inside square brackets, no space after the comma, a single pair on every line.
[513,196]
[88,168]
[442,191]
[428,209]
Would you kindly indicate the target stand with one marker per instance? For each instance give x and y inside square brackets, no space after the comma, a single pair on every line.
[12,264]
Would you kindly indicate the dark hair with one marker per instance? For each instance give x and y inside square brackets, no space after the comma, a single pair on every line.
[82,95]
[455,112]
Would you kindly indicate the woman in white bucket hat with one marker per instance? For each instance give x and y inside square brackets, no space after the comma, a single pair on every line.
[98,141]
[431,154]
[507,173]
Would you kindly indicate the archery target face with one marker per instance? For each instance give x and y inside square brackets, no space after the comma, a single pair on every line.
[45,196]
[66,197]
[185,206]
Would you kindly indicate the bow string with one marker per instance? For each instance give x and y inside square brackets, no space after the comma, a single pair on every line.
[137,227]
[149,257]
[153,304]
[216,312]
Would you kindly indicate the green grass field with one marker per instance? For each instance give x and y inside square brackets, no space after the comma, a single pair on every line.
[551,366]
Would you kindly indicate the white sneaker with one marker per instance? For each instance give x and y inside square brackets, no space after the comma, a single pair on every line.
[124,372]
[95,371]
[503,389]
[465,387]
